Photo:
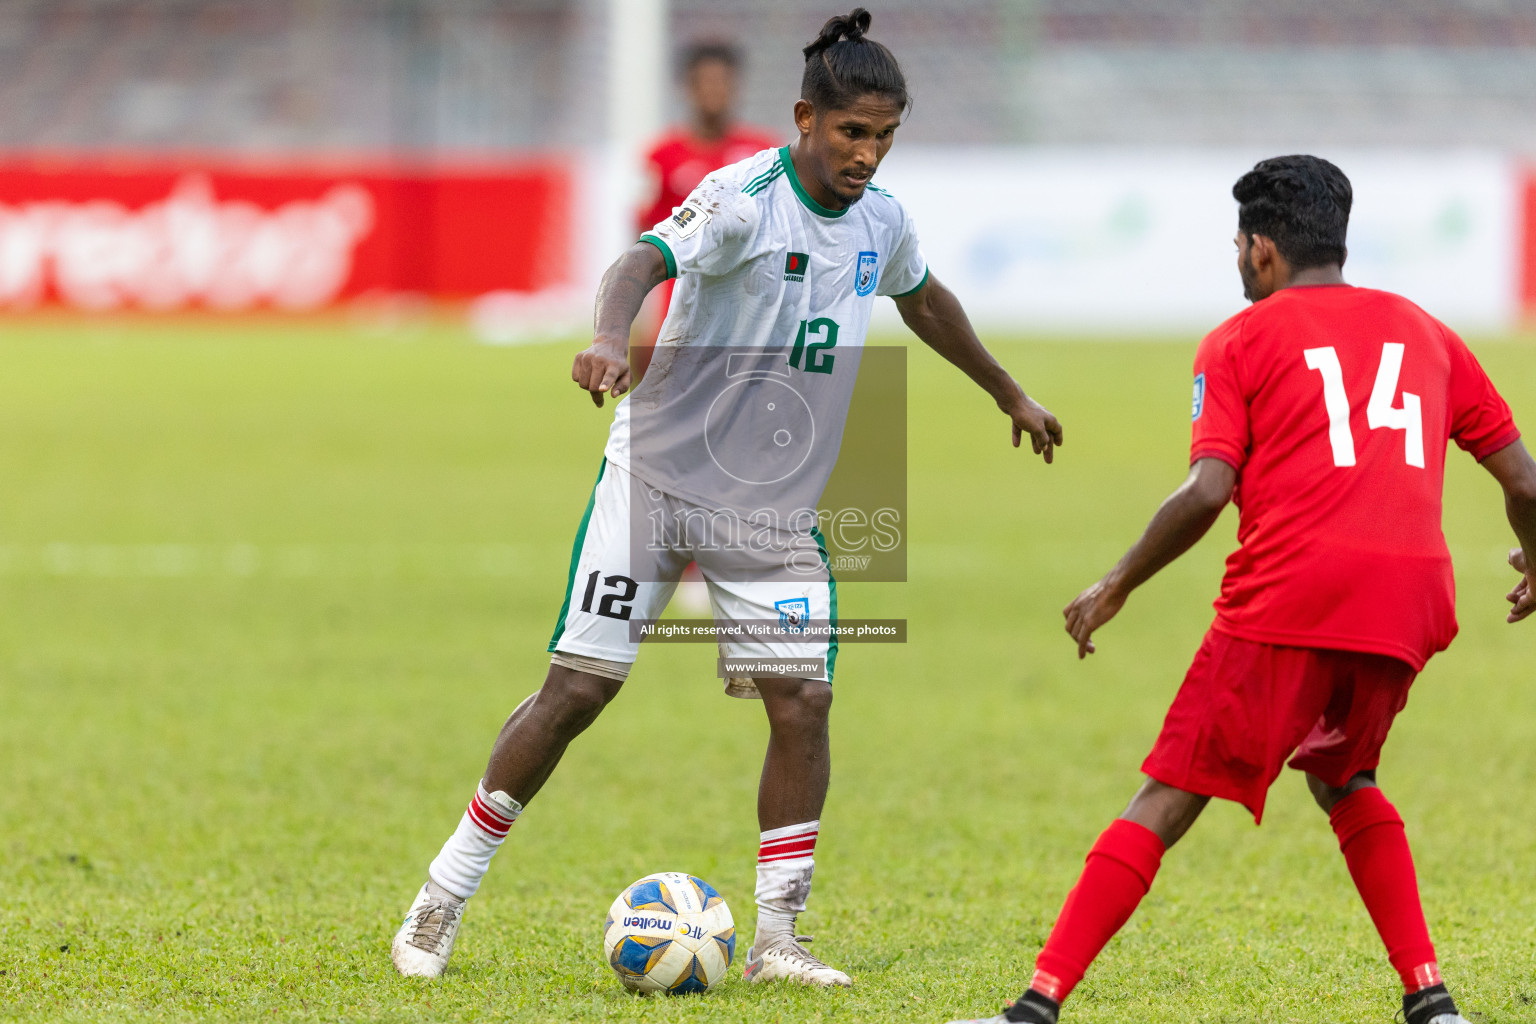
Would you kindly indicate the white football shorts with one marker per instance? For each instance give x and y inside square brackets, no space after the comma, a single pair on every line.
[611,586]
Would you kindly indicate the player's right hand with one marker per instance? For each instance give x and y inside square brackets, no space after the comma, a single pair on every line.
[602,368]
[1523,597]
[1034,420]
[1090,610]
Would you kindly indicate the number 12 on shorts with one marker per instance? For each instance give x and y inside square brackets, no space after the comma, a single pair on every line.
[1379,412]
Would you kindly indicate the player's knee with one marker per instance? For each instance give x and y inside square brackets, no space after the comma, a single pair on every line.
[815,699]
[1325,795]
[805,705]
[575,699]
[1328,795]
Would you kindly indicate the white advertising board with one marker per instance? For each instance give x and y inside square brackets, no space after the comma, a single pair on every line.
[1093,240]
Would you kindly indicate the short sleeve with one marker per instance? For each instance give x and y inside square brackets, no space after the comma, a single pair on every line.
[1219,408]
[907,270]
[1481,422]
[710,233]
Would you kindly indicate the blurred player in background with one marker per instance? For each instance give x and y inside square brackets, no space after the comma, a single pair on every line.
[780,258]
[674,167]
[1324,411]
[678,162]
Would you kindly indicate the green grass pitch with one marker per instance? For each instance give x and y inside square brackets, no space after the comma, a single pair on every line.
[268,588]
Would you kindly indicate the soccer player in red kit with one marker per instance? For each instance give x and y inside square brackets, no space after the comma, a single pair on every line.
[681,158]
[1324,411]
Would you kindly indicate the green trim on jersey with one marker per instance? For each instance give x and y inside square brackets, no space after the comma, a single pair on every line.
[581,539]
[821,549]
[805,197]
[913,291]
[762,181]
[666,254]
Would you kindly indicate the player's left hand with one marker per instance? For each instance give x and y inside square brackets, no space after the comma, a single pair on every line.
[1523,597]
[1090,610]
[1032,418]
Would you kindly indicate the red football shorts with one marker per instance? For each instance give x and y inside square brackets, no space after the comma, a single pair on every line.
[1245,707]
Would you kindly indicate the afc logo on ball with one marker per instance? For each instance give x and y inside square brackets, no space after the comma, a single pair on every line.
[793,613]
[866,273]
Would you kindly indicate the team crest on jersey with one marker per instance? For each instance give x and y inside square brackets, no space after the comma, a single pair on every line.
[793,613]
[795,266]
[689,218]
[1199,403]
[866,273]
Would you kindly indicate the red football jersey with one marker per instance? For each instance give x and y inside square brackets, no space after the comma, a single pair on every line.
[680,160]
[1335,405]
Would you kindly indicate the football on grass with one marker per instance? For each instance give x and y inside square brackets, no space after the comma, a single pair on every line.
[669,932]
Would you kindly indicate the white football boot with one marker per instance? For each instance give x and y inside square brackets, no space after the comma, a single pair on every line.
[788,959]
[425,941]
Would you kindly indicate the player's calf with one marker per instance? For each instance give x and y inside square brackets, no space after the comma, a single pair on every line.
[572,697]
[530,745]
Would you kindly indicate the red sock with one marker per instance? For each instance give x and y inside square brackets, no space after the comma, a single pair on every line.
[1119,872]
[1375,847]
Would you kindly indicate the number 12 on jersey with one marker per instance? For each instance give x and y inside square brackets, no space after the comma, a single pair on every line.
[1379,412]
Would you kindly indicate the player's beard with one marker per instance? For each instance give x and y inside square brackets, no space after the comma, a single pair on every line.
[850,200]
[1245,271]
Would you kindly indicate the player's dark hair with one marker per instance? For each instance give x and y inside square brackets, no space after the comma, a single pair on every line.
[704,50]
[1301,203]
[843,65]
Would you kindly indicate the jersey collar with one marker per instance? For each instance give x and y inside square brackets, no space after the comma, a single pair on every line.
[805,197]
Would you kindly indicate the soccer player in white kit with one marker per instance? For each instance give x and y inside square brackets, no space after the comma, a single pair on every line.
[779,259]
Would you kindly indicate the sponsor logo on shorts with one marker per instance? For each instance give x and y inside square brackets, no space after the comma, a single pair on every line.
[794,613]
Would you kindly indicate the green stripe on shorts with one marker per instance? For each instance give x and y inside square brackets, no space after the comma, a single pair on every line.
[821,549]
[581,539]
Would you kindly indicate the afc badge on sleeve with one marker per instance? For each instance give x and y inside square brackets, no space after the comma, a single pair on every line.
[1198,406]
[689,218]
[866,273]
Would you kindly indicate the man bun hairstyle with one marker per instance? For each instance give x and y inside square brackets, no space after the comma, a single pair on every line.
[1301,203]
[843,65]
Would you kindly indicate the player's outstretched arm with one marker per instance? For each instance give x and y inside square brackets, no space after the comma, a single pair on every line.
[934,314]
[1180,521]
[603,367]
[1515,471]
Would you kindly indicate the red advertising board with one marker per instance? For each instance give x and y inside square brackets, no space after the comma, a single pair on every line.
[166,234]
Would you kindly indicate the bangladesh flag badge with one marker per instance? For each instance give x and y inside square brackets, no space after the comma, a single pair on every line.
[794,266]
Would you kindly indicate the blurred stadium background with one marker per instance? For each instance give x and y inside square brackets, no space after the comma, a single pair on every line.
[300,153]
[280,543]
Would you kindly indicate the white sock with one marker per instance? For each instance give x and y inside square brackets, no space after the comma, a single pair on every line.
[466,856]
[785,862]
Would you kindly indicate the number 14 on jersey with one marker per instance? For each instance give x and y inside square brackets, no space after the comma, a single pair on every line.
[1379,413]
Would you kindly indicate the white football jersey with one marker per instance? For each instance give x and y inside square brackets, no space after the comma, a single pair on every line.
[762,267]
